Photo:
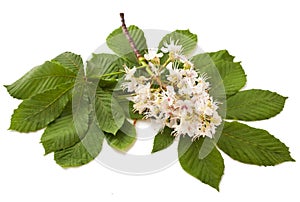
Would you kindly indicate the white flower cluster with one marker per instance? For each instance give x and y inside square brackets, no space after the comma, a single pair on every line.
[181,102]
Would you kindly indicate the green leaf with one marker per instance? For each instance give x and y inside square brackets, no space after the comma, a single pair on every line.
[61,133]
[209,170]
[185,38]
[232,73]
[84,151]
[124,138]
[118,42]
[104,63]
[109,113]
[163,139]
[233,76]
[69,61]
[222,55]
[252,105]
[251,145]
[82,98]
[221,71]
[38,111]
[39,79]
[108,84]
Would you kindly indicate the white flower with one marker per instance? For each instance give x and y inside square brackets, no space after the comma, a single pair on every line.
[172,47]
[152,54]
[183,103]
[186,127]
[154,69]
[143,94]
[129,72]
[131,82]
[174,76]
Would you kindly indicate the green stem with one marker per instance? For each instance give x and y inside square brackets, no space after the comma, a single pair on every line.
[149,70]
[167,62]
[124,96]
[109,74]
[141,67]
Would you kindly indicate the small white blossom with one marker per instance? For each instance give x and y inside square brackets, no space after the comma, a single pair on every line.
[131,82]
[143,94]
[152,54]
[129,72]
[172,47]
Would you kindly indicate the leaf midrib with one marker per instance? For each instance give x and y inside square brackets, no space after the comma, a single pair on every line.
[49,76]
[47,106]
[243,141]
[236,106]
[72,62]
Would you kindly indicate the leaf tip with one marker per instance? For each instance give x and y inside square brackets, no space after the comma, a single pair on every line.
[154,151]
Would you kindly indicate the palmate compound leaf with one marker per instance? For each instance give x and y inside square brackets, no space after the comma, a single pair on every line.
[40,79]
[124,138]
[84,151]
[208,170]
[251,145]
[38,111]
[185,38]
[163,139]
[118,42]
[253,105]
[73,137]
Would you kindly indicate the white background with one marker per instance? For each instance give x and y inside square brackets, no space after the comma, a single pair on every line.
[263,35]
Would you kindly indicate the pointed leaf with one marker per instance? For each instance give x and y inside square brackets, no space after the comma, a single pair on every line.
[118,42]
[61,133]
[185,38]
[69,61]
[109,113]
[39,79]
[124,138]
[38,111]
[252,105]
[163,139]
[251,145]
[83,152]
[209,170]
